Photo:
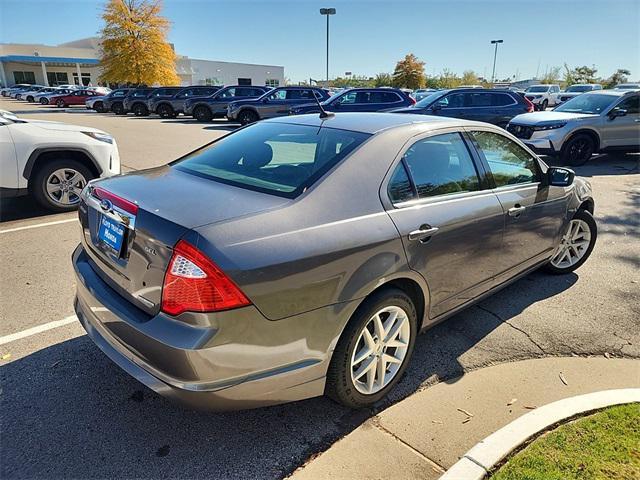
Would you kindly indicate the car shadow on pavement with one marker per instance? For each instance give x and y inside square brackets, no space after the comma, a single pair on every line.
[68,411]
[604,165]
[22,208]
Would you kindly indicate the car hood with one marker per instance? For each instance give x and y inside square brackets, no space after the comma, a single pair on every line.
[403,110]
[537,118]
[60,127]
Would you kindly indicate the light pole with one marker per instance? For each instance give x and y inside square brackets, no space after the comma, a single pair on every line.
[327,12]
[495,54]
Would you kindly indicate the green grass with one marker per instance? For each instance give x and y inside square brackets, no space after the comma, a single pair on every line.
[602,446]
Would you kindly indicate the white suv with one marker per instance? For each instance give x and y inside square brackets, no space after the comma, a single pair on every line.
[542,96]
[52,161]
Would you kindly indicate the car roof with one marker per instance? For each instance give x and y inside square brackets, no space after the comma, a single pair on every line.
[617,93]
[372,122]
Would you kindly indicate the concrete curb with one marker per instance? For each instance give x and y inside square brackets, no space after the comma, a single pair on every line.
[477,462]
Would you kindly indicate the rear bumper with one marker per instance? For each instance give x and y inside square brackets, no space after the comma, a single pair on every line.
[241,360]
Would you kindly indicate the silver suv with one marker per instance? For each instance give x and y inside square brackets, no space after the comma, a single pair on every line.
[598,121]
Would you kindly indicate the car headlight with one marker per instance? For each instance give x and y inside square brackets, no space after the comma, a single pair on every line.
[550,126]
[103,137]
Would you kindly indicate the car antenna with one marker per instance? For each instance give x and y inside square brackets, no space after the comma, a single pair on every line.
[323,112]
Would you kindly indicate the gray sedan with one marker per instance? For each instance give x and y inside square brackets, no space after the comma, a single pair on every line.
[301,256]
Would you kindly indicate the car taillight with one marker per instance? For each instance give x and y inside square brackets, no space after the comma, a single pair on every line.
[193,283]
[530,106]
[126,205]
[412,100]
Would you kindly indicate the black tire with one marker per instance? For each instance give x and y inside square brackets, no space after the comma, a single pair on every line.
[98,107]
[30,99]
[588,219]
[118,108]
[202,114]
[166,111]
[339,386]
[245,117]
[578,150]
[38,182]
[60,104]
[544,105]
[140,110]
[44,101]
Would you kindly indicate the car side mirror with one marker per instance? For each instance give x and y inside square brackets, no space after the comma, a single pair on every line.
[617,112]
[436,106]
[560,176]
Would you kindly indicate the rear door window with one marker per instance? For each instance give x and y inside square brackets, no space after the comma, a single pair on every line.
[501,99]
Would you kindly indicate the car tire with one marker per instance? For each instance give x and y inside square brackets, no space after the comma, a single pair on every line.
[582,225]
[98,107]
[118,108]
[42,180]
[30,99]
[44,101]
[166,111]
[578,150]
[544,105]
[202,114]
[342,385]
[60,104]
[139,110]
[246,117]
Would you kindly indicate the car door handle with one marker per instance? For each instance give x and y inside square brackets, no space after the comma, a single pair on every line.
[516,211]
[423,233]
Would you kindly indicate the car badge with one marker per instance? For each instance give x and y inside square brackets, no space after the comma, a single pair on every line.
[106,205]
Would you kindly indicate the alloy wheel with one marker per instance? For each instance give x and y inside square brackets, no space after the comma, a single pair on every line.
[380,350]
[579,151]
[64,186]
[573,246]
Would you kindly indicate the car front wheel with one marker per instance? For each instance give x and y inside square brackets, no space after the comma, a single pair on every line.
[98,107]
[576,244]
[374,350]
[140,110]
[57,184]
[60,104]
[202,114]
[578,150]
[165,111]
[247,116]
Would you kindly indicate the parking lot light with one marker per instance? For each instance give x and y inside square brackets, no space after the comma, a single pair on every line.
[327,12]
[495,54]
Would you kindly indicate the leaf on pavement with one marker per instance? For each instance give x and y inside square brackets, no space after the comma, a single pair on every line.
[6,356]
[530,407]
[468,414]
[511,402]
[564,380]
[437,422]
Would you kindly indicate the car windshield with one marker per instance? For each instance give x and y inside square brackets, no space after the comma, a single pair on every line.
[579,88]
[627,87]
[588,103]
[277,158]
[426,101]
[538,89]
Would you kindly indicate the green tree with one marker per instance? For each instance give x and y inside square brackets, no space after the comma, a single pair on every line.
[134,44]
[620,76]
[449,79]
[383,80]
[582,74]
[409,73]
[469,77]
[552,76]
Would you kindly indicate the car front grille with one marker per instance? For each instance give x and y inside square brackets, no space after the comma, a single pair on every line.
[520,131]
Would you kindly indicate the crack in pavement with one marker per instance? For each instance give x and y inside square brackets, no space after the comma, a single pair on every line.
[526,334]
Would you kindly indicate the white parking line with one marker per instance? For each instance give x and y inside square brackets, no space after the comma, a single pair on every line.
[37,225]
[39,329]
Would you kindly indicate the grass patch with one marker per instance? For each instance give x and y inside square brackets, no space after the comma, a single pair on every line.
[602,446]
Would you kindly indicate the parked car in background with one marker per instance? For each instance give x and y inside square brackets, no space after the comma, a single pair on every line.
[543,96]
[30,96]
[628,86]
[325,247]
[205,109]
[43,98]
[33,90]
[100,90]
[52,161]
[577,89]
[596,121]
[95,103]
[275,103]
[5,92]
[134,101]
[70,86]
[173,106]
[114,96]
[76,97]
[160,93]
[359,100]
[14,92]
[422,93]
[483,105]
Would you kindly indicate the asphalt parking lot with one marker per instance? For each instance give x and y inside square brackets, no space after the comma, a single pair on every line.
[68,411]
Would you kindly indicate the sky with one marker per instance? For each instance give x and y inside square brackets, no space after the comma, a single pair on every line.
[369,37]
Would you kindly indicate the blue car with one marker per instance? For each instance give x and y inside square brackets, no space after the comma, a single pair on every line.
[359,100]
[479,104]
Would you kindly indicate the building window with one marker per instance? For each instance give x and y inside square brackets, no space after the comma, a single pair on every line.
[244,81]
[24,77]
[57,78]
[86,78]
[272,82]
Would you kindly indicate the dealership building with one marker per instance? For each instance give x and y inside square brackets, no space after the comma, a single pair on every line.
[78,63]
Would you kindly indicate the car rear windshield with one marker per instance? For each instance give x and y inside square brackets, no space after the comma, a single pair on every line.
[588,103]
[278,158]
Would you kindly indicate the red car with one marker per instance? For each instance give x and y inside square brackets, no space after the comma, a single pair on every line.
[77,97]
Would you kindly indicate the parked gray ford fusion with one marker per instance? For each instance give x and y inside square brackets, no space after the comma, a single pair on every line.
[301,256]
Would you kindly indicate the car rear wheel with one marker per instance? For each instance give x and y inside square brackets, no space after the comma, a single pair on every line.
[166,111]
[576,244]
[374,350]
[140,110]
[98,107]
[30,99]
[44,101]
[247,116]
[578,150]
[202,114]
[57,185]
[544,105]
[60,103]
[118,108]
